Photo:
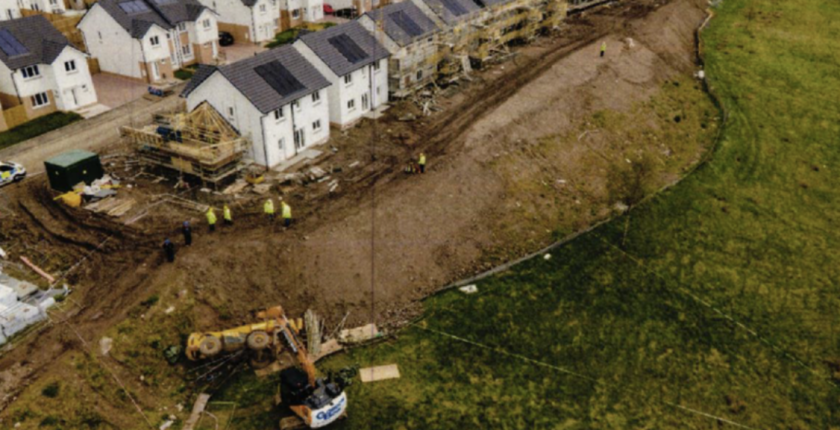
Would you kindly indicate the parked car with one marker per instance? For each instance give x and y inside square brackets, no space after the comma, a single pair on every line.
[225,38]
[348,13]
[11,172]
[328,10]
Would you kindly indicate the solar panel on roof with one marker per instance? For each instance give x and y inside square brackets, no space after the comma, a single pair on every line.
[133,6]
[456,8]
[165,2]
[406,23]
[10,45]
[348,48]
[279,78]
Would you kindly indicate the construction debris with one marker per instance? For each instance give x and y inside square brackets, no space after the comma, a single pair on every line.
[198,408]
[379,373]
[38,270]
[469,289]
[313,332]
[358,334]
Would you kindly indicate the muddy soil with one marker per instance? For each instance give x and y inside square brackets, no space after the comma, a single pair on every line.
[385,239]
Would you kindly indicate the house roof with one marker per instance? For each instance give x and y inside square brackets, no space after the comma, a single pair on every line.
[137,16]
[249,77]
[39,42]
[345,47]
[452,11]
[404,22]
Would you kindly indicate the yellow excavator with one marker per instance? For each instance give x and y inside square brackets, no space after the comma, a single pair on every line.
[317,401]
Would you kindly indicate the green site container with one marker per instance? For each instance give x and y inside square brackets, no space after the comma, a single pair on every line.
[72,167]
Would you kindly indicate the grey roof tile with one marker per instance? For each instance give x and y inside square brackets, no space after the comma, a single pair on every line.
[242,75]
[394,30]
[319,42]
[440,7]
[166,14]
[38,36]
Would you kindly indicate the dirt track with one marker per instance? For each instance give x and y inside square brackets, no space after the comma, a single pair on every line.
[481,201]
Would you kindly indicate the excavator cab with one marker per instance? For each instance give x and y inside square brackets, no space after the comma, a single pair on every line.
[317,406]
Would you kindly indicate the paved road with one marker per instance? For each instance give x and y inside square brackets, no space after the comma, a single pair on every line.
[92,134]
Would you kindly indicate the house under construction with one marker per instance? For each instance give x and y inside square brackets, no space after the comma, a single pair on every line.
[200,143]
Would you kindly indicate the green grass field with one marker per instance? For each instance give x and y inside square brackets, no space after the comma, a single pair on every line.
[718,298]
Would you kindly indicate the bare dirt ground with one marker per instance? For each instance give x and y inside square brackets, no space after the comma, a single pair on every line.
[527,151]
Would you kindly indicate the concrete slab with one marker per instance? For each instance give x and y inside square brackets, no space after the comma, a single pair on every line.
[306,154]
[379,373]
[377,113]
[92,110]
[114,91]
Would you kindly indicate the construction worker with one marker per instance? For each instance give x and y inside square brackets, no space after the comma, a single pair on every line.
[169,250]
[603,49]
[422,162]
[187,230]
[287,214]
[211,219]
[268,208]
[228,216]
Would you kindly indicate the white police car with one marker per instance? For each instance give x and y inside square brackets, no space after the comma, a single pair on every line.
[11,172]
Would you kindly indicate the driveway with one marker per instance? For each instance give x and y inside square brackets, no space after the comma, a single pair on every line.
[114,91]
[239,51]
[91,134]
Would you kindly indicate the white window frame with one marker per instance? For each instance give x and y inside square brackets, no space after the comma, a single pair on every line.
[263,8]
[279,115]
[351,105]
[186,50]
[316,126]
[316,97]
[348,79]
[376,66]
[154,41]
[281,144]
[296,14]
[70,66]
[296,105]
[182,27]
[30,72]
[40,100]
[206,23]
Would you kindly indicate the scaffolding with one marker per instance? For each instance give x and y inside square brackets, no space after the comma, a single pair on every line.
[200,143]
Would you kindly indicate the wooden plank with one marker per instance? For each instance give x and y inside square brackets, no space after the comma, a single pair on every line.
[379,373]
[198,408]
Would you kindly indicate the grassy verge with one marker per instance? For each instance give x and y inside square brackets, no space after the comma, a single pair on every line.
[718,297]
[37,127]
[289,36]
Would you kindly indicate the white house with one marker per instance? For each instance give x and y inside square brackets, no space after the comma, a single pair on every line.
[40,70]
[150,39]
[354,63]
[277,99]
[49,6]
[247,20]
[412,39]
[9,9]
[295,12]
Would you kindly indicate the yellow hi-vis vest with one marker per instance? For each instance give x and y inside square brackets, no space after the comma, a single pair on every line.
[211,216]
[268,207]
[604,47]
[228,215]
[422,161]
[287,211]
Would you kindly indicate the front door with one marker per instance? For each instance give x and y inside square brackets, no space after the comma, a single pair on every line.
[155,71]
[300,142]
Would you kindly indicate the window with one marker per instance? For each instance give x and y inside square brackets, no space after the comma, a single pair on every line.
[296,13]
[278,114]
[182,27]
[316,96]
[296,105]
[40,99]
[30,72]
[206,23]
[376,65]
[419,75]
[351,104]
[54,2]
[262,8]
[230,112]
[348,78]
[186,49]
[154,41]
[281,143]
[70,66]
[100,35]
[316,125]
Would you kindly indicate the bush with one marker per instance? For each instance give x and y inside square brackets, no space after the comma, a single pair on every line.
[51,390]
[184,74]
